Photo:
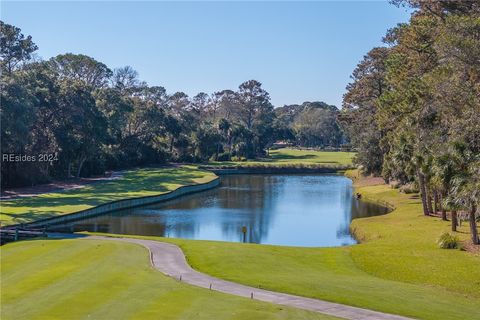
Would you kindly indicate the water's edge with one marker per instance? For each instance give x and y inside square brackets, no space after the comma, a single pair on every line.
[119,204]
[179,192]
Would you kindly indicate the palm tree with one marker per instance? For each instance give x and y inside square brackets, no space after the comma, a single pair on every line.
[466,184]
[443,171]
[466,188]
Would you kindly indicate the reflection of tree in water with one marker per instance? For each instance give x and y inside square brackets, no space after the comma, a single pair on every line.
[253,195]
[356,208]
[265,204]
[240,201]
[343,230]
[117,224]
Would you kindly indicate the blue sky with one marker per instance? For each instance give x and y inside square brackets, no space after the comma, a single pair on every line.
[300,51]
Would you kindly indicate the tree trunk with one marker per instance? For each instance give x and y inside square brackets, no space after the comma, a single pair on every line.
[473,225]
[444,214]
[172,139]
[69,170]
[80,165]
[423,193]
[454,220]
[435,201]
[218,151]
[429,202]
[443,195]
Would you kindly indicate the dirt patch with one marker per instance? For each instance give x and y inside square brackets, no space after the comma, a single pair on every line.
[368,181]
[470,247]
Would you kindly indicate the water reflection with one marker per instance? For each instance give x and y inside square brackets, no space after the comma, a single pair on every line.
[294,210]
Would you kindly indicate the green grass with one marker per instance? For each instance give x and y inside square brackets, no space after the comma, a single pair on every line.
[146,182]
[134,183]
[330,274]
[80,279]
[291,157]
[398,267]
[403,246]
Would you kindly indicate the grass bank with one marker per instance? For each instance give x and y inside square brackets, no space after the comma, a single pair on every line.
[286,157]
[80,279]
[402,245]
[398,268]
[329,274]
[133,183]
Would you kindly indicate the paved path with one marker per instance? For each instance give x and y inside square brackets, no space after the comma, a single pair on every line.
[170,260]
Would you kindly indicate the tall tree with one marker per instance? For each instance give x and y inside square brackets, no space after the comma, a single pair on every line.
[81,68]
[360,109]
[15,48]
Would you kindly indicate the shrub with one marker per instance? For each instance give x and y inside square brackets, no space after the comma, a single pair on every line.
[237,158]
[224,156]
[448,241]
[409,188]
[394,184]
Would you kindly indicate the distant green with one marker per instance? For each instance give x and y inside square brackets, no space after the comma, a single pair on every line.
[287,156]
[133,183]
[91,279]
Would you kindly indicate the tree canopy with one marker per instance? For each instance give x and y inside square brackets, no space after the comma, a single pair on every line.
[413,107]
[93,118]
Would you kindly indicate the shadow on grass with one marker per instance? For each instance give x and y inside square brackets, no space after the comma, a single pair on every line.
[292,157]
[132,184]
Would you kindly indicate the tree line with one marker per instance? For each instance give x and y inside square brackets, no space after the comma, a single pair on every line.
[311,124]
[93,118]
[413,108]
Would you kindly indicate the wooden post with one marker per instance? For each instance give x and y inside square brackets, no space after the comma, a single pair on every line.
[244,231]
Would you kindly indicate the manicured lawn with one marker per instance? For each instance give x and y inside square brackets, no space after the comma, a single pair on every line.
[402,246]
[330,274]
[397,269]
[134,183]
[288,157]
[91,279]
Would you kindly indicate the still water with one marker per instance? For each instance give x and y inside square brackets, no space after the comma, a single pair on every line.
[292,210]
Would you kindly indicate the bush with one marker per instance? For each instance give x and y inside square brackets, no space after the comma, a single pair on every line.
[237,158]
[224,156]
[409,188]
[448,241]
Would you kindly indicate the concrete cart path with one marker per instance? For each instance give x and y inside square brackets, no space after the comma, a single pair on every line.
[170,260]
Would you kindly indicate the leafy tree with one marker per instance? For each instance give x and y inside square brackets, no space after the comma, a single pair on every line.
[80,127]
[81,68]
[15,48]
[360,104]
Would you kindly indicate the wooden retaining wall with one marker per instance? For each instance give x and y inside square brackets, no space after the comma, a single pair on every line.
[119,205]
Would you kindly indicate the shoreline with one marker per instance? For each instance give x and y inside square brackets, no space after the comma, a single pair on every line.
[183,190]
[118,205]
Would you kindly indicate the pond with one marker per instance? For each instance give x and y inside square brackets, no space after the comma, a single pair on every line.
[292,210]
